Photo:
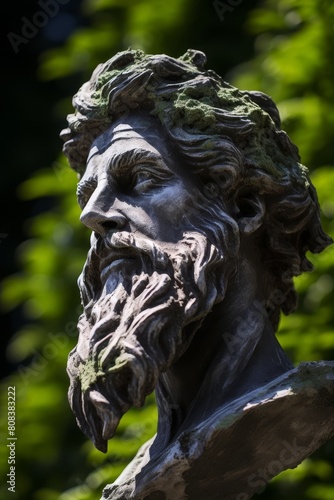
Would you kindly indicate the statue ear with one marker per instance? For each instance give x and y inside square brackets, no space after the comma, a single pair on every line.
[250,212]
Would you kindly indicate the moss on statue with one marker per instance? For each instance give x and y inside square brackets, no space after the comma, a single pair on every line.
[194,100]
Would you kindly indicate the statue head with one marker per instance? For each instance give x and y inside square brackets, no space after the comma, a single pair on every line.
[183,178]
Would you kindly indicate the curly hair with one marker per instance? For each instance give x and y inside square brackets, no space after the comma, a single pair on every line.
[230,138]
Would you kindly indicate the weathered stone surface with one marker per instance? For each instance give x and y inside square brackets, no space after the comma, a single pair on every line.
[242,446]
[201,215]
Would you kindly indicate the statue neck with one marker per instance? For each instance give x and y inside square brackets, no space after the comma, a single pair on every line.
[233,352]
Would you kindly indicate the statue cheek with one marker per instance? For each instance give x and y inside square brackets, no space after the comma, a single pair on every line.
[172,202]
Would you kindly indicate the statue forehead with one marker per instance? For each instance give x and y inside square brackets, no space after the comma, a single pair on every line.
[138,131]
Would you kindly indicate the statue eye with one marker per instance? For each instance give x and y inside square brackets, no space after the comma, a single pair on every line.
[143,182]
[142,178]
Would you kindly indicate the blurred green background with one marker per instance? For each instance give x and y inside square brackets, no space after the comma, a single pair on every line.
[284,48]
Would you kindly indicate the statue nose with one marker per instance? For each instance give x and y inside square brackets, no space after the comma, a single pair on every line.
[103,222]
[101,212]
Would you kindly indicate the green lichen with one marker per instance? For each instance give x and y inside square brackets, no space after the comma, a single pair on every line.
[88,375]
[105,78]
[180,93]
[194,113]
[203,110]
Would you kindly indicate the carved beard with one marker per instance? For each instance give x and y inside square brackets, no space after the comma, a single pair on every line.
[138,298]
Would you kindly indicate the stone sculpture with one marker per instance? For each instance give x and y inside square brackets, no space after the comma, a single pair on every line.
[201,215]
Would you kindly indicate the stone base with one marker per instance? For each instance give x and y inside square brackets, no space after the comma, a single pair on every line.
[234,453]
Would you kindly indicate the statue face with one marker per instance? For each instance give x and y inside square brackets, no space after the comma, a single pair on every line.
[149,273]
[133,182]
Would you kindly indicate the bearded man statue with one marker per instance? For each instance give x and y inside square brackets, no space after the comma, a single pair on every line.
[201,215]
